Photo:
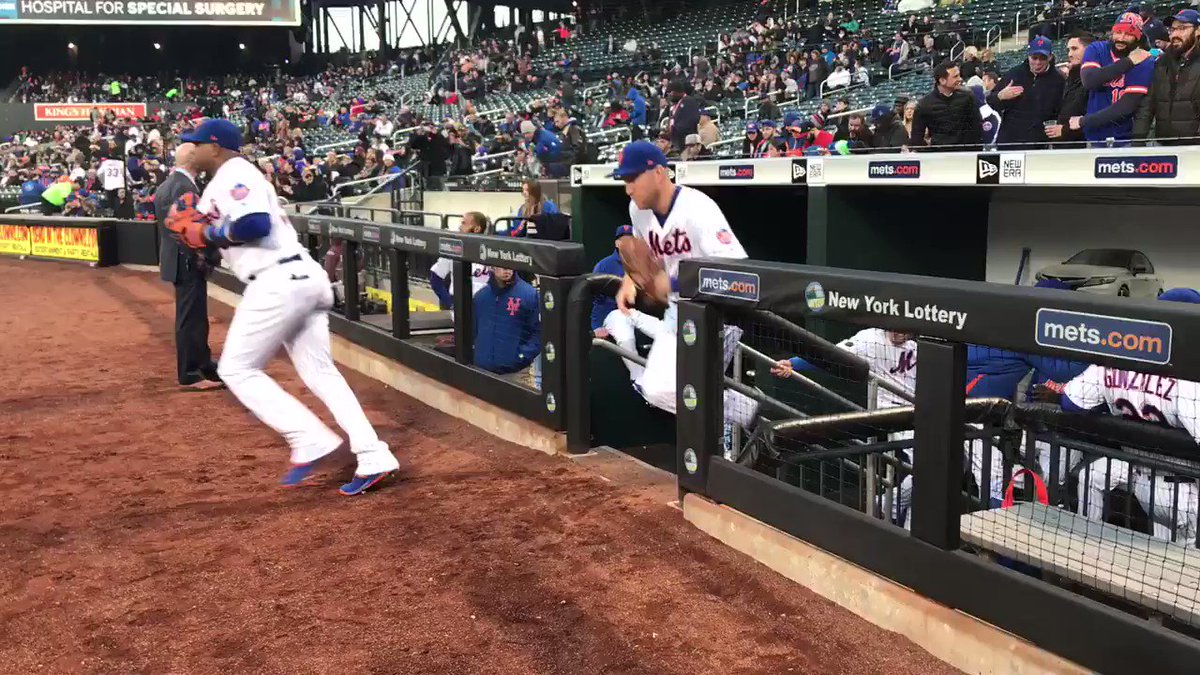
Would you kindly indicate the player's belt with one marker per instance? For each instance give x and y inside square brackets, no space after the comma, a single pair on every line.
[281,261]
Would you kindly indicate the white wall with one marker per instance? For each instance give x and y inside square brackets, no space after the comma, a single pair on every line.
[1167,234]
[491,204]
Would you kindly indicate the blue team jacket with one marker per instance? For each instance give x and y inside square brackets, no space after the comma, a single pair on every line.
[638,116]
[546,146]
[602,305]
[508,332]
[997,372]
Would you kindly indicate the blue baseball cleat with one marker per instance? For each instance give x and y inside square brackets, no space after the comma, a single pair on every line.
[361,484]
[298,474]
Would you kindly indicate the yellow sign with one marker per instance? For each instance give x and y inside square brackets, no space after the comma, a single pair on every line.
[72,243]
[14,239]
[380,295]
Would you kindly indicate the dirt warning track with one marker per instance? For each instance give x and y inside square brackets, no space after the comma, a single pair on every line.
[142,531]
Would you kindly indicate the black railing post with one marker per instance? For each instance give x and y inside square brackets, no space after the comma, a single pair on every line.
[938,445]
[576,357]
[699,392]
[398,264]
[350,279]
[464,313]
[554,292]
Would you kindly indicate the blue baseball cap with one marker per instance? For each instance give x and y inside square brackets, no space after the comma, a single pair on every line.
[637,158]
[879,111]
[767,123]
[623,231]
[219,131]
[1186,16]
[751,127]
[1181,295]
[1041,45]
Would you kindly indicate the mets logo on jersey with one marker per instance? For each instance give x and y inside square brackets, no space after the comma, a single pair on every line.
[239,192]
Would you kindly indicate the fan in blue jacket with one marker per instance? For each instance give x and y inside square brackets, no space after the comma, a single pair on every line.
[637,116]
[603,305]
[508,333]
[544,144]
[993,372]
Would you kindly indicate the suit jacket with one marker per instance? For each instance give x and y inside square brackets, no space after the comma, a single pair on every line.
[174,259]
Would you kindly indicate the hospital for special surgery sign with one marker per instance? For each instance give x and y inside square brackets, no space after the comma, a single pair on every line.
[82,112]
[270,12]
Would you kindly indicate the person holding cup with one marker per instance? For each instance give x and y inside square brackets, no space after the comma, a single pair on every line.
[1028,97]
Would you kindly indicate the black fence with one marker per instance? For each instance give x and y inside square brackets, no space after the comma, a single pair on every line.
[99,241]
[501,342]
[1055,499]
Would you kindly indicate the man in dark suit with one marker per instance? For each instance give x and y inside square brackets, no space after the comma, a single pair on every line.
[187,270]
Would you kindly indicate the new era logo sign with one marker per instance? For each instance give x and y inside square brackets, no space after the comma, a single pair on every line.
[576,175]
[987,171]
[671,172]
[799,170]
[1007,168]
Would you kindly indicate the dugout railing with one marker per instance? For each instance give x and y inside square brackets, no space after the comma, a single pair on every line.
[1101,570]
[442,344]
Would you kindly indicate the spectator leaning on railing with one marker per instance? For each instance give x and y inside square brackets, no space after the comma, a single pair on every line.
[1027,97]
[1172,107]
[949,112]
[1075,96]
[1117,74]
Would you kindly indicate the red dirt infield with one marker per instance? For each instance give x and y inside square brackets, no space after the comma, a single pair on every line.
[143,532]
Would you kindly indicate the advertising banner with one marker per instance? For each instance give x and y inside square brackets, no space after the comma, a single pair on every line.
[70,243]
[14,239]
[82,112]
[163,12]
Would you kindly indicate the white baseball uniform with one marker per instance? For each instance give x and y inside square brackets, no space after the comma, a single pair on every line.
[1157,400]
[285,302]
[895,363]
[694,227]
[480,274]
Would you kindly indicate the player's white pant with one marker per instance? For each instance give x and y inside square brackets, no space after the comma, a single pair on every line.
[623,329]
[1175,502]
[286,306]
[657,382]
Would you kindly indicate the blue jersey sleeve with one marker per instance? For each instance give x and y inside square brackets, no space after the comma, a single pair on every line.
[1137,80]
[1096,55]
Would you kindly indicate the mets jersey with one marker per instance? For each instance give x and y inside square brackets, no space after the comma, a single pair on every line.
[444,268]
[239,189]
[694,227]
[897,364]
[1135,81]
[1138,396]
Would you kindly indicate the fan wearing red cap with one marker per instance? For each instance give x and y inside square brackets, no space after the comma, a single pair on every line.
[1117,74]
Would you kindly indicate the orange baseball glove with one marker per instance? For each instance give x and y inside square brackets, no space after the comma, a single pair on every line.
[186,222]
[645,269]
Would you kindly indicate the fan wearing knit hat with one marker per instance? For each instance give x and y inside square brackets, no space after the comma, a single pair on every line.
[1117,74]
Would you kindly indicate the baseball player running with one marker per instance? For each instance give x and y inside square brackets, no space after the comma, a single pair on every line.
[285,302]
[1152,398]
[676,222]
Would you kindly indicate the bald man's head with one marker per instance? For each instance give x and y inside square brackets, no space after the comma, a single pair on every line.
[183,156]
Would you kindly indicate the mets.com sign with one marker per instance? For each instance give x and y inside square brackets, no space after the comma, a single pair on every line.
[1133,339]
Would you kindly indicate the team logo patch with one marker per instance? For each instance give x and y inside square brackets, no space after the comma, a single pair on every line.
[725,237]
[814,296]
[239,192]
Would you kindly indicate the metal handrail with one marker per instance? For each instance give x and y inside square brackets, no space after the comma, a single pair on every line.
[14,209]
[482,159]
[606,132]
[987,37]
[961,46]
[1017,22]
[750,99]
